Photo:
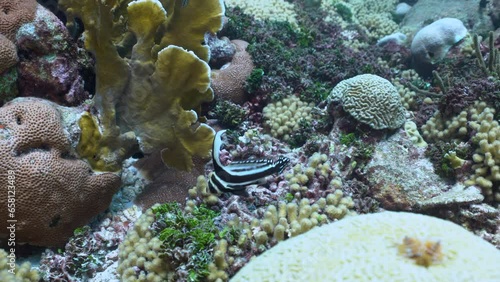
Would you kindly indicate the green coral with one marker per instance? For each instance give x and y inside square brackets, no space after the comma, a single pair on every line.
[254,80]
[8,85]
[344,11]
[193,232]
[159,82]
[229,114]
[347,139]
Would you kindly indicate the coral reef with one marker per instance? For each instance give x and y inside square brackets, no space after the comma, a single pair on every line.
[89,251]
[406,180]
[167,242]
[16,13]
[275,10]
[53,192]
[475,124]
[8,53]
[329,86]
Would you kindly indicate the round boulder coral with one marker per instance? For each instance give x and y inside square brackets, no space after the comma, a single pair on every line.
[8,53]
[228,81]
[371,100]
[432,42]
[48,191]
[387,246]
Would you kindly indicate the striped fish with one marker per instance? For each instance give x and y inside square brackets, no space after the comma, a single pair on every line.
[237,175]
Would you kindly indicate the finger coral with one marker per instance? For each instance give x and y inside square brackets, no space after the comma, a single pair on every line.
[49,191]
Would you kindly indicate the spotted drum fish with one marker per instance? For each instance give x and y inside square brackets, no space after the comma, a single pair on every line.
[236,176]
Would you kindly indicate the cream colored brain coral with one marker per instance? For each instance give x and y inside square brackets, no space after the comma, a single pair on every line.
[377,247]
[370,99]
[53,191]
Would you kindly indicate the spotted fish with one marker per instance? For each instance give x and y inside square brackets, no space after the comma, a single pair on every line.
[236,176]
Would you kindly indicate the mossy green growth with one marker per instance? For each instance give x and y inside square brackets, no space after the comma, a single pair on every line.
[347,139]
[8,85]
[89,146]
[194,232]
[254,80]
[229,114]
[316,93]
[344,12]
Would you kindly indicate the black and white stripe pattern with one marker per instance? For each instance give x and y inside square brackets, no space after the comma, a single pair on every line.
[237,175]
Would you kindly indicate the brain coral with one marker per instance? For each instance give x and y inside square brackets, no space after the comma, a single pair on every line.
[385,246]
[370,99]
[15,13]
[53,192]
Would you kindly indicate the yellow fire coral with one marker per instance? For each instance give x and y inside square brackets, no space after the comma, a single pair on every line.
[146,95]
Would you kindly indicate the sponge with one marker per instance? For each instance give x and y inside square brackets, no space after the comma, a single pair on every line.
[432,42]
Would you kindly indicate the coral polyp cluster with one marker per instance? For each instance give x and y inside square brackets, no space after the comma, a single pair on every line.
[425,253]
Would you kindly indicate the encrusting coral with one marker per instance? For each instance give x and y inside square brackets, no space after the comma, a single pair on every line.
[228,81]
[148,96]
[53,191]
[51,64]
